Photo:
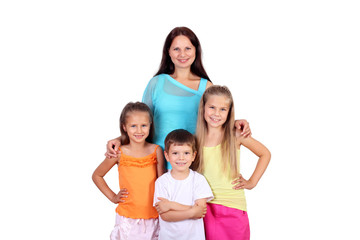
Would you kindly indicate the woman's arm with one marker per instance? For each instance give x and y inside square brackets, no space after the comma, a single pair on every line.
[264,158]
[112,148]
[98,178]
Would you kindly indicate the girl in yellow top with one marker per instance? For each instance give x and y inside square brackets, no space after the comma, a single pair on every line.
[139,164]
[218,160]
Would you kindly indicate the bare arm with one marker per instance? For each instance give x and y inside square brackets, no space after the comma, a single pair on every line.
[160,167]
[112,147]
[188,212]
[98,178]
[264,158]
[164,205]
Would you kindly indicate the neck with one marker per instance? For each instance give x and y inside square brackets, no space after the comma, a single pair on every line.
[180,175]
[137,146]
[183,74]
[214,137]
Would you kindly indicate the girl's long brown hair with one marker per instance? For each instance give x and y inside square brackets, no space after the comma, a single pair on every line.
[128,109]
[228,143]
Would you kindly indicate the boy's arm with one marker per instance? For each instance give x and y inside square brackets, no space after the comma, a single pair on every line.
[179,215]
[201,202]
[164,205]
[190,212]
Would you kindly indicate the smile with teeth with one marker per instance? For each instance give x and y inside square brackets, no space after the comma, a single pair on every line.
[180,163]
[183,60]
[138,136]
[215,119]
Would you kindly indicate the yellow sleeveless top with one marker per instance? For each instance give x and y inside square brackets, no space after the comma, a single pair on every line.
[220,182]
[138,176]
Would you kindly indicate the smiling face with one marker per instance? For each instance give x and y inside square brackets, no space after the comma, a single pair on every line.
[216,110]
[137,126]
[180,157]
[182,52]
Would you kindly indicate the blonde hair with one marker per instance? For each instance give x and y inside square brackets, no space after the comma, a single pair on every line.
[228,142]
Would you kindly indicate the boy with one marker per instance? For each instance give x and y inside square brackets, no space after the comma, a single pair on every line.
[181,194]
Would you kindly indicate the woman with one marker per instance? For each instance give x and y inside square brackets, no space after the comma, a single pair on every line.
[174,93]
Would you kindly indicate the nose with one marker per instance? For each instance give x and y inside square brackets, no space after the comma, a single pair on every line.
[182,53]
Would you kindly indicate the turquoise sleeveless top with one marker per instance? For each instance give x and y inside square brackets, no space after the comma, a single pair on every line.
[173,105]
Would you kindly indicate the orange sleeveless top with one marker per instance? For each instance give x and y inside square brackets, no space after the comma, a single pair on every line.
[138,176]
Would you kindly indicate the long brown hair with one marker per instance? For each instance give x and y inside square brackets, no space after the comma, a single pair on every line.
[228,142]
[168,67]
[128,109]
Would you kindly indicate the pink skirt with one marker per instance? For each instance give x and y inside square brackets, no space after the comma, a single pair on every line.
[226,223]
[135,229]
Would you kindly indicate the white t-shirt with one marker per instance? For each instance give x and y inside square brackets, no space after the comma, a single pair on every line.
[185,192]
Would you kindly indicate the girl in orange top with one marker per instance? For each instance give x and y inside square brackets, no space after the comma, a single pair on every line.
[139,164]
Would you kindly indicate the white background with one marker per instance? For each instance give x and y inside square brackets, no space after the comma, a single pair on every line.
[67,68]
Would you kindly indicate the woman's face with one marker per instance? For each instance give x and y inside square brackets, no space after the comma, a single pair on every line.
[182,52]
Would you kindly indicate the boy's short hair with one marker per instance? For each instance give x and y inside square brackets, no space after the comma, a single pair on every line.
[180,137]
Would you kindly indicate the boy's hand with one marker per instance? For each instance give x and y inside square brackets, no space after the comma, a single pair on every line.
[198,211]
[163,205]
[118,197]
[242,183]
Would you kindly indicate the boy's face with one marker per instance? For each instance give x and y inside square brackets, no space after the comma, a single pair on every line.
[180,157]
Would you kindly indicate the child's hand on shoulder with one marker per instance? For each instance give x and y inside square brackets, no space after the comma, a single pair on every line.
[242,183]
[163,205]
[118,197]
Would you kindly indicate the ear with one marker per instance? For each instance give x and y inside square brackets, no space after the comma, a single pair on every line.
[194,156]
[123,127]
[166,156]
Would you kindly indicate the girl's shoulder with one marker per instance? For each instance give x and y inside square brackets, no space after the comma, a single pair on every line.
[147,150]
[239,138]
[153,147]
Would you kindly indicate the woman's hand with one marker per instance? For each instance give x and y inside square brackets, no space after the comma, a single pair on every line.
[112,148]
[242,183]
[244,127]
[118,197]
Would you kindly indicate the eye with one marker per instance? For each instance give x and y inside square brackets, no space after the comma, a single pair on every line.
[133,126]
[174,153]
[223,109]
[188,48]
[176,49]
[187,153]
[144,125]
